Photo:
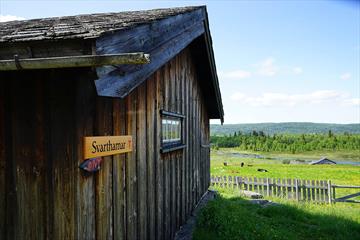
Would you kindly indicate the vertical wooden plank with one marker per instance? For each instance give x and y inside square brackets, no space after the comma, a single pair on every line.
[246,183]
[279,192]
[265,186]
[187,136]
[326,191]
[84,115]
[273,185]
[104,209]
[183,158]
[197,142]
[173,155]
[159,161]
[141,161]
[10,208]
[119,201]
[308,190]
[29,154]
[236,182]
[190,137]
[3,146]
[255,185]
[283,188]
[152,152]
[167,160]
[329,191]
[313,190]
[298,184]
[61,155]
[177,167]
[131,169]
[289,188]
[296,189]
[317,193]
[304,190]
[322,191]
[261,186]
[251,183]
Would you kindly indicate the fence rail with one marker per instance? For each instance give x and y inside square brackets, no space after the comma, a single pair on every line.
[300,190]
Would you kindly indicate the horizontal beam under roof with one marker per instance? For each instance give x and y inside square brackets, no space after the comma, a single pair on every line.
[74,61]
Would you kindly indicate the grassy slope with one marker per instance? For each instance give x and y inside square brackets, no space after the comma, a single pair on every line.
[232,217]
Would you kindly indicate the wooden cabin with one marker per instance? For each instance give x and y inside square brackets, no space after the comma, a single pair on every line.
[322,161]
[67,78]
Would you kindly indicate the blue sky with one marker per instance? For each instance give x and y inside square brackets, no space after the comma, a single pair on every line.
[277,61]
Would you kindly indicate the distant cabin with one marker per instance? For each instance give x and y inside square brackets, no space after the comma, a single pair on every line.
[147,76]
[322,161]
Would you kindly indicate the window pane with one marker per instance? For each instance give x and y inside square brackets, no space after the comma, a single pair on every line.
[171,131]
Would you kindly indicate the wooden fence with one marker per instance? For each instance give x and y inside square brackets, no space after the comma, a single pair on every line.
[300,190]
[321,191]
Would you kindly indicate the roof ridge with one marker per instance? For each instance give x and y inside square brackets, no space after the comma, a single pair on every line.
[83,25]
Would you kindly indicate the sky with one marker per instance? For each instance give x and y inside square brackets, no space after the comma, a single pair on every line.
[277,61]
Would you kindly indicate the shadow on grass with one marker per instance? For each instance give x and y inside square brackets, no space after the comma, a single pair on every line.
[238,218]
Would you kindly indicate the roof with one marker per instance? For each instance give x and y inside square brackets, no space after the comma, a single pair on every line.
[81,26]
[162,33]
[321,160]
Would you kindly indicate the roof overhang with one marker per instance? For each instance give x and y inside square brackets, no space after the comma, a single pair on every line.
[163,40]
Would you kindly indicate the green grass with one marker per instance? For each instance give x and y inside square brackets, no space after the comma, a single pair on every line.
[232,217]
[339,174]
[348,155]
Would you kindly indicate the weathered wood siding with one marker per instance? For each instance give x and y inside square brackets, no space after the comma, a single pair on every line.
[140,195]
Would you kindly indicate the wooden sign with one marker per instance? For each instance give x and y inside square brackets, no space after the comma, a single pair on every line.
[106,145]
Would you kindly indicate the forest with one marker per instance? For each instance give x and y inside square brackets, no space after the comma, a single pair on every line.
[290,143]
[285,127]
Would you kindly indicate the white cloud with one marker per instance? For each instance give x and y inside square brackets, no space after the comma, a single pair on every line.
[285,99]
[6,18]
[237,96]
[236,74]
[297,70]
[352,101]
[267,67]
[345,76]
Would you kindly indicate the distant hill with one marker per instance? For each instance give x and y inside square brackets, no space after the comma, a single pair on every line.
[288,127]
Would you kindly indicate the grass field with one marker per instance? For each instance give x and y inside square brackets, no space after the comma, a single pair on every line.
[339,174]
[232,217]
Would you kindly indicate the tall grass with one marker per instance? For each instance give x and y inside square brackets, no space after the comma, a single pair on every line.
[232,217]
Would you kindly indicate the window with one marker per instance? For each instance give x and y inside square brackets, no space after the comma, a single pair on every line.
[171,131]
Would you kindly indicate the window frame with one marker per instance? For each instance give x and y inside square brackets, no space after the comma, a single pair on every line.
[172,146]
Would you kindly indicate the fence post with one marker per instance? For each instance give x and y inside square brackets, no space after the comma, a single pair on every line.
[296,190]
[267,187]
[255,185]
[303,182]
[329,191]
[317,191]
[334,194]
[245,183]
